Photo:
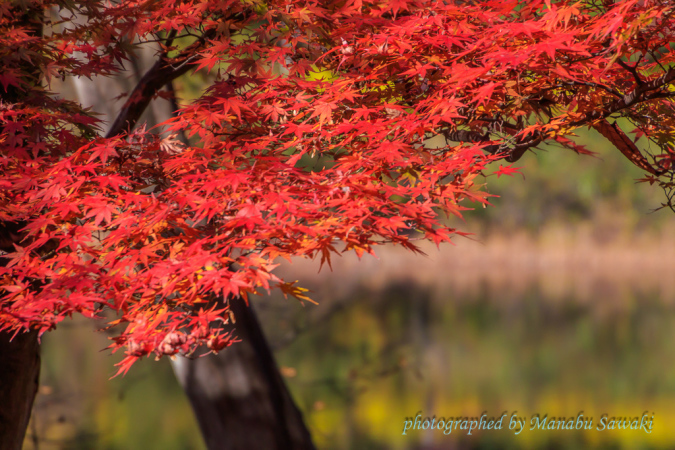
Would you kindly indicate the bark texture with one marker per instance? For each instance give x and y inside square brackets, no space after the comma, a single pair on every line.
[239,396]
[19,377]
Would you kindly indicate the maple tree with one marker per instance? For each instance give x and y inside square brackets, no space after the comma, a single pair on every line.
[311,140]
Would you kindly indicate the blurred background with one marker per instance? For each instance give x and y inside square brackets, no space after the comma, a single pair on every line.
[562,301]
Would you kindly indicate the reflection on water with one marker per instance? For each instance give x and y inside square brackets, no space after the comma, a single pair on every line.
[396,352]
[373,354]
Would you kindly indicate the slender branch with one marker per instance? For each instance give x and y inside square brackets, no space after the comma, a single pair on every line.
[162,72]
[465,136]
[470,136]
[642,92]
[618,138]
[639,94]
[633,71]
[614,92]
[169,40]
[656,59]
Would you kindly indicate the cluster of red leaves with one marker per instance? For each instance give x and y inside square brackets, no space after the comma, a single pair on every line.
[312,135]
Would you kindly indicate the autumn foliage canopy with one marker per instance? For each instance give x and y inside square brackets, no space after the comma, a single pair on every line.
[311,140]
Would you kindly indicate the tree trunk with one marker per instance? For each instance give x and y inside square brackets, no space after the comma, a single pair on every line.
[239,397]
[19,377]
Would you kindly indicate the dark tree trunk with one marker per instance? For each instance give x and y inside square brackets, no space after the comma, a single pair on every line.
[239,397]
[19,374]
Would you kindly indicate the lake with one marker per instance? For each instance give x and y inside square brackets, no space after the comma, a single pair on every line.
[560,328]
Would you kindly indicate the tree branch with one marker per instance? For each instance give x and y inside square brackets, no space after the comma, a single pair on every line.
[470,136]
[639,95]
[642,92]
[162,72]
[618,138]
[633,70]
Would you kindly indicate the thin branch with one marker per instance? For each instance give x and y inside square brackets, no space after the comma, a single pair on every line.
[641,93]
[470,136]
[162,72]
[653,55]
[614,92]
[632,70]
[618,138]
[169,40]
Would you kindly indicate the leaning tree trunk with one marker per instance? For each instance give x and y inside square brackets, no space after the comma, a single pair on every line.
[238,395]
[19,373]
[19,365]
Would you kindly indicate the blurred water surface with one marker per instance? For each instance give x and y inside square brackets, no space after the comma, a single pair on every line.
[536,332]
